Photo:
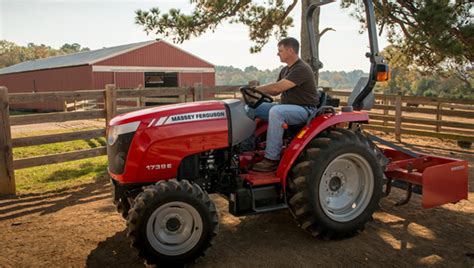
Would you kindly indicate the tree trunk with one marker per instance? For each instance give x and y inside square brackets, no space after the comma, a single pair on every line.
[305,52]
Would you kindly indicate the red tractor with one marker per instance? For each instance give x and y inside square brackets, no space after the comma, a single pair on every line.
[164,161]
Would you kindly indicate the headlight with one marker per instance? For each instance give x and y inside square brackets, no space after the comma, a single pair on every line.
[115,131]
[112,136]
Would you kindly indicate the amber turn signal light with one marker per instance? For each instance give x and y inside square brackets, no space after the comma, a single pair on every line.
[383,72]
[382,76]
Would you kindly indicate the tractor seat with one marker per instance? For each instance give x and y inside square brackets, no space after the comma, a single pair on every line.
[292,130]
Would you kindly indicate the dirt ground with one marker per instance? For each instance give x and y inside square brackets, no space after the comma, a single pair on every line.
[79,227]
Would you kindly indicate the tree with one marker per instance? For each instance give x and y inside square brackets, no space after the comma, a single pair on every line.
[250,68]
[11,53]
[435,36]
[72,48]
[263,20]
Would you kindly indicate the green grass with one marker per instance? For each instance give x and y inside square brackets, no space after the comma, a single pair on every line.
[59,176]
[55,148]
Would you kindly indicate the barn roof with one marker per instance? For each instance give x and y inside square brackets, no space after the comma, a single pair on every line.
[76,59]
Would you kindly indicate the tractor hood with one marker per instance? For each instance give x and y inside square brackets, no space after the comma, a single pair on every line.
[230,115]
[153,142]
[174,113]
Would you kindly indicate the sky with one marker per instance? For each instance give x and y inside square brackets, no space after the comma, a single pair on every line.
[104,23]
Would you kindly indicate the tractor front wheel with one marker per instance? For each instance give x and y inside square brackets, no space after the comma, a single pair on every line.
[336,184]
[172,223]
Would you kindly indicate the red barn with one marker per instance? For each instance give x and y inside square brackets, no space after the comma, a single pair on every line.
[147,64]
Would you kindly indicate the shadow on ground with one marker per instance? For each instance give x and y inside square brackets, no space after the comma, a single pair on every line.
[54,201]
[405,235]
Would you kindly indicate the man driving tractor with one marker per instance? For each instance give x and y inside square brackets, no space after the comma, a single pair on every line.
[299,98]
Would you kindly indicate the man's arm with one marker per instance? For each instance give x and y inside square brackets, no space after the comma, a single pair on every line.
[276,88]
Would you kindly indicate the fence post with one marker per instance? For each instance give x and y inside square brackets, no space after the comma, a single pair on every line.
[139,99]
[185,96]
[7,175]
[182,97]
[438,116]
[385,110]
[198,94]
[110,103]
[398,116]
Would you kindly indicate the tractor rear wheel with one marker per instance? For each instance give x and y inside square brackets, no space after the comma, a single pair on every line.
[336,183]
[172,223]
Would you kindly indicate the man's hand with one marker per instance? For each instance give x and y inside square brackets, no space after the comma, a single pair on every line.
[276,88]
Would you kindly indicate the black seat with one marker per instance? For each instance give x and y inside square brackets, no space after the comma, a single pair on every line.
[294,129]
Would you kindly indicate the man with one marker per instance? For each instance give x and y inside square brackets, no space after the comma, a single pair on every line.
[298,100]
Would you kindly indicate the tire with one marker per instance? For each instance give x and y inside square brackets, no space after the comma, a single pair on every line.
[123,206]
[187,221]
[336,183]
[120,199]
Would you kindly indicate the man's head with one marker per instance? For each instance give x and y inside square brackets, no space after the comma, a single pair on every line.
[288,49]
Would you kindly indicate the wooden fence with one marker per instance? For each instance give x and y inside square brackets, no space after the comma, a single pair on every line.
[106,105]
[421,116]
[391,114]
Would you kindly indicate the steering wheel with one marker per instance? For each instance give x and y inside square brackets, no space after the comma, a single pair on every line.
[253,97]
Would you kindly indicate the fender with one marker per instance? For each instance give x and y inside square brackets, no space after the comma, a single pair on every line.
[306,134]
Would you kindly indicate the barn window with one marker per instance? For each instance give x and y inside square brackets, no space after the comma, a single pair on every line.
[161,79]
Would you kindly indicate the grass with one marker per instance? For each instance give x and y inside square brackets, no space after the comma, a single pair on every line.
[59,176]
[55,148]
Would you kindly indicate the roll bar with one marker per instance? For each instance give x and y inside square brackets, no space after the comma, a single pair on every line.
[377,62]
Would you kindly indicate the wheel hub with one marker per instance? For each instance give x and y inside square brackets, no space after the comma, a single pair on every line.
[335,183]
[173,224]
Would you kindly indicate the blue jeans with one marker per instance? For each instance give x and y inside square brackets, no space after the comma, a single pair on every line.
[276,115]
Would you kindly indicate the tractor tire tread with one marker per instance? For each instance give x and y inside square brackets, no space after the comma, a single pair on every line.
[300,196]
[148,198]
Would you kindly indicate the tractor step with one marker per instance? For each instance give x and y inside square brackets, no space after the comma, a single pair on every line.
[271,208]
[252,199]
[255,178]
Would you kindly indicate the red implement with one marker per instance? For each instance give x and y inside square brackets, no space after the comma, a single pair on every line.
[443,180]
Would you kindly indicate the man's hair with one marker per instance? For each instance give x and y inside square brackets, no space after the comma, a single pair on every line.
[290,42]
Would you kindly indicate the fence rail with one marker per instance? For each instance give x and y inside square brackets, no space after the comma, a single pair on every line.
[420,116]
[442,118]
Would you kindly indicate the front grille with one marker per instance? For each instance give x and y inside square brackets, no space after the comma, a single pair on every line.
[117,153]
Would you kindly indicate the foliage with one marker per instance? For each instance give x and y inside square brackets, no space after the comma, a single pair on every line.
[11,53]
[229,75]
[262,20]
[433,35]
[409,80]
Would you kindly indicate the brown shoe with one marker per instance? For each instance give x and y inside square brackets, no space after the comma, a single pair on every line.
[266,165]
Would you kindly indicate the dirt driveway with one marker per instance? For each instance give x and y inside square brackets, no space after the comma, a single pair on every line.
[80,227]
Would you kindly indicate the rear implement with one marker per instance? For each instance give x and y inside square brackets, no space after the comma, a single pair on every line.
[442,180]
